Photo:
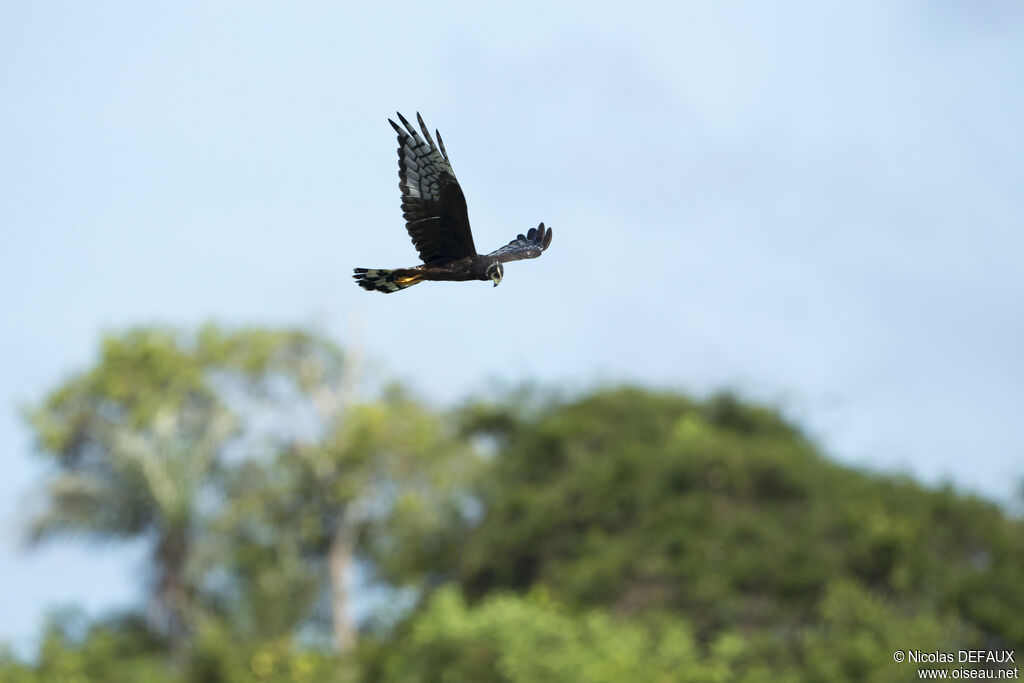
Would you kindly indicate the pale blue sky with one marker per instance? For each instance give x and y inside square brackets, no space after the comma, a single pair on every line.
[817,204]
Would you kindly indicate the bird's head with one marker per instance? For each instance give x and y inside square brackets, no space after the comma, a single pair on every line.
[495,271]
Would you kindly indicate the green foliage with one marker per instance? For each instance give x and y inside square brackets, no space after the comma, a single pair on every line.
[123,650]
[507,638]
[856,632]
[218,656]
[623,535]
[651,503]
[117,650]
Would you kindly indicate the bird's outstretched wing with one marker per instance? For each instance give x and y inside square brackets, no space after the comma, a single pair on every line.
[432,201]
[529,245]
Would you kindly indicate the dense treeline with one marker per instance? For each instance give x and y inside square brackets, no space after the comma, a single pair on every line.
[622,535]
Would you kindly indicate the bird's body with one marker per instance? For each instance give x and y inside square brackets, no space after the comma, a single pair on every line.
[438,222]
[469,268]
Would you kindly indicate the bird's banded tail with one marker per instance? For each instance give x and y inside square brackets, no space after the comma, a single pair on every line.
[387,281]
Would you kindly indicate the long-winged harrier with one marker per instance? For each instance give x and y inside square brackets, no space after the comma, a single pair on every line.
[436,218]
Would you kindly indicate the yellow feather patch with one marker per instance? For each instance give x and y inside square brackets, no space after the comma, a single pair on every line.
[408,279]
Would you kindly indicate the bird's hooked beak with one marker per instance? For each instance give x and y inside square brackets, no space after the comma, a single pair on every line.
[495,272]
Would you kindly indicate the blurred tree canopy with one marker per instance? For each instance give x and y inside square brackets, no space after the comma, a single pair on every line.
[625,534]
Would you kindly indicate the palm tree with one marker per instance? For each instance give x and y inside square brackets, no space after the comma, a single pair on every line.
[139,443]
[135,441]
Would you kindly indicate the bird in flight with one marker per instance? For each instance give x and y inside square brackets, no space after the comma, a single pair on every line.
[438,223]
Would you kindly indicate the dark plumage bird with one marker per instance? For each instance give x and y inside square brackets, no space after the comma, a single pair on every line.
[436,218]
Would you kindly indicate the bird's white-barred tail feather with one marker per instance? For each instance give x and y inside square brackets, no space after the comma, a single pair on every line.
[387,281]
